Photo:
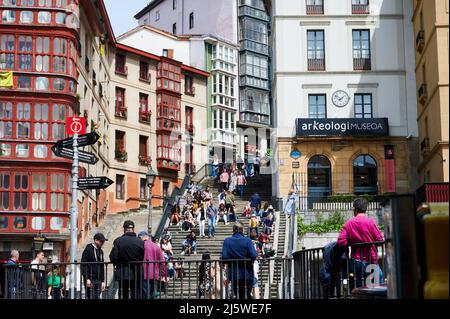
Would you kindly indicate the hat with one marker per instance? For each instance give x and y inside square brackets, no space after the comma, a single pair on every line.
[100,236]
[128,224]
[143,233]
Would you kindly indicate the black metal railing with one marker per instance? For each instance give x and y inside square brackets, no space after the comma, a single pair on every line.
[202,173]
[336,202]
[171,279]
[357,266]
[314,9]
[169,203]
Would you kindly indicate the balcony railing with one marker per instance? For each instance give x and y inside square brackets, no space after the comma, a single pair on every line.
[316,64]
[144,116]
[190,91]
[168,125]
[121,156]
[361,64]
[423,93]
[145,160]
[432,193]
[252,12]
[122,70]
[420,41]
[121,112]
[314,9]
[425,146]
[163,163]
[360,8]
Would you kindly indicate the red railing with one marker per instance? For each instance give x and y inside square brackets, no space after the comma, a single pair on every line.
[432,193]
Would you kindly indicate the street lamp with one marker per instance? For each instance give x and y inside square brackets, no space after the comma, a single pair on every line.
[150,177]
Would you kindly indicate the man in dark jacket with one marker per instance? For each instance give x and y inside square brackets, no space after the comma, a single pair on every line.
[334,261]
[255,202]
[240,273]
[127,255]
[94,274]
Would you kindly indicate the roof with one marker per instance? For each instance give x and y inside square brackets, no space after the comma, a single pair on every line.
[156,30]
[150,5]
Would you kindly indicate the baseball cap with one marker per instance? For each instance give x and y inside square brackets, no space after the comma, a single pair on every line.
[128,224]
[143,233]
[100,236]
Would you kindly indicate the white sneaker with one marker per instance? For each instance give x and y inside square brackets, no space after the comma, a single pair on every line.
[182,253]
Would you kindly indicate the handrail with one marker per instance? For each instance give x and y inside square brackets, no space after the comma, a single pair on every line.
[201,174]
[169,202]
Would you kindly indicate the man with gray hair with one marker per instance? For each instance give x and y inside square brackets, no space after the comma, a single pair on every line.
[13,275]
[239,273]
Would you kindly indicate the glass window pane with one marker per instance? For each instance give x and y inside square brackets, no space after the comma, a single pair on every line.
[38,223]
[56,223]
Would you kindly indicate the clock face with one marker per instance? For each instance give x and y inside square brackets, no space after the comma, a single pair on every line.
[340,98]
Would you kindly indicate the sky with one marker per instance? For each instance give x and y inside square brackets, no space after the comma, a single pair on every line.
[121,13]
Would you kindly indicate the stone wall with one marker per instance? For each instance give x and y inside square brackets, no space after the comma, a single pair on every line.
[310,217]
[313,240]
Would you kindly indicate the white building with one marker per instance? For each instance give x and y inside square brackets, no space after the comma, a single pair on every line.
[350,59]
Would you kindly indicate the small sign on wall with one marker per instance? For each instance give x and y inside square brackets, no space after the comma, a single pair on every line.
[295,164]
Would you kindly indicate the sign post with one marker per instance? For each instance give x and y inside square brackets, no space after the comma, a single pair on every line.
[74,125]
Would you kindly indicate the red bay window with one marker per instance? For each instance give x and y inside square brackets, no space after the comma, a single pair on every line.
[169,151]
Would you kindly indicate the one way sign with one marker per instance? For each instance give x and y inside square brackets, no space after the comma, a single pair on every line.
[94,183]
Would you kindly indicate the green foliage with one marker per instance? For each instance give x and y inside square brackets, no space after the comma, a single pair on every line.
[348,198]
[332,224]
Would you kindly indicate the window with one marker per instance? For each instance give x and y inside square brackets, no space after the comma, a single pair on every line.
[316,50]
[9,2]
[174,4]
[56,223]
[319,176]
[45,3]
[255,65]
[169,77]
[20,191]
[3,221]
[255,101]
[363,105]
[168,148]
[6,123]
[20,223]
[120,64]
[143,71]
[157,16]
[361,50]
[4,190]
[25,54]
[120,151]
[23,121]
[59,84]
[254,30]
[189,118]
[120,186]
[317,106]
[7,52]
[360,6]
[174,28]
[42,84]
[44,17]
[9,16]
[24,82]
[143,102]
[365,180]
[60,18]
[60,55]
[191,20]
[26,16]
[29,3]
[120,102]
[165,187]
[143,146]
[314,6]
[143,189]
[189,85]
[59,114]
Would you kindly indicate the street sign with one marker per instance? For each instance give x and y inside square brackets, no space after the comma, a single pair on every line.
[94,182]
[83,157]
[75,125]
[83,140]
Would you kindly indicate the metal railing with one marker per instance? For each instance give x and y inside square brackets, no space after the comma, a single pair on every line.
[432,193]
[202,173]
[361,267]
[173,279]
[335,202]
[170,202]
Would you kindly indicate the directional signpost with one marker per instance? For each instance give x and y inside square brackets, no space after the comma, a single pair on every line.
[68,148]
[94,183]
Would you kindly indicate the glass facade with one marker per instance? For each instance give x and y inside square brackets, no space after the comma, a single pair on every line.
[255,87]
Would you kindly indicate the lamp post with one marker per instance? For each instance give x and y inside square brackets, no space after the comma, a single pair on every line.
[150,177]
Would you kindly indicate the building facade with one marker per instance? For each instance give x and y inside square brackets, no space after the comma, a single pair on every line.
[243,25]
[430,19]
[344,96]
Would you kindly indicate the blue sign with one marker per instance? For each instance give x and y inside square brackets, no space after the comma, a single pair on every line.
[296,154]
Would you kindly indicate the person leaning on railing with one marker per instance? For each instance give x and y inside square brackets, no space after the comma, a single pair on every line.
[361,229]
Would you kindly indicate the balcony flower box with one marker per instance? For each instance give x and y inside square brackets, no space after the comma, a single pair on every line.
[121,156]
[144,160]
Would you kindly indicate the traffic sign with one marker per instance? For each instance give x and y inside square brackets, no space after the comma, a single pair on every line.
[83,140]
[75,125]
[83,157]
[94,182]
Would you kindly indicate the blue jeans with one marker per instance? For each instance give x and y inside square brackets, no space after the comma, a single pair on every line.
[240,189]
[361,272]
[148,289]
[211,227]
[186,244]
[250,230]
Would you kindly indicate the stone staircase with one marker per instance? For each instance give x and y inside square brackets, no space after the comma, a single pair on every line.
[187,287]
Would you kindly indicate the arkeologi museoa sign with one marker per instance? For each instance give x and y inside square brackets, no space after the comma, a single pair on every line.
[343,127]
